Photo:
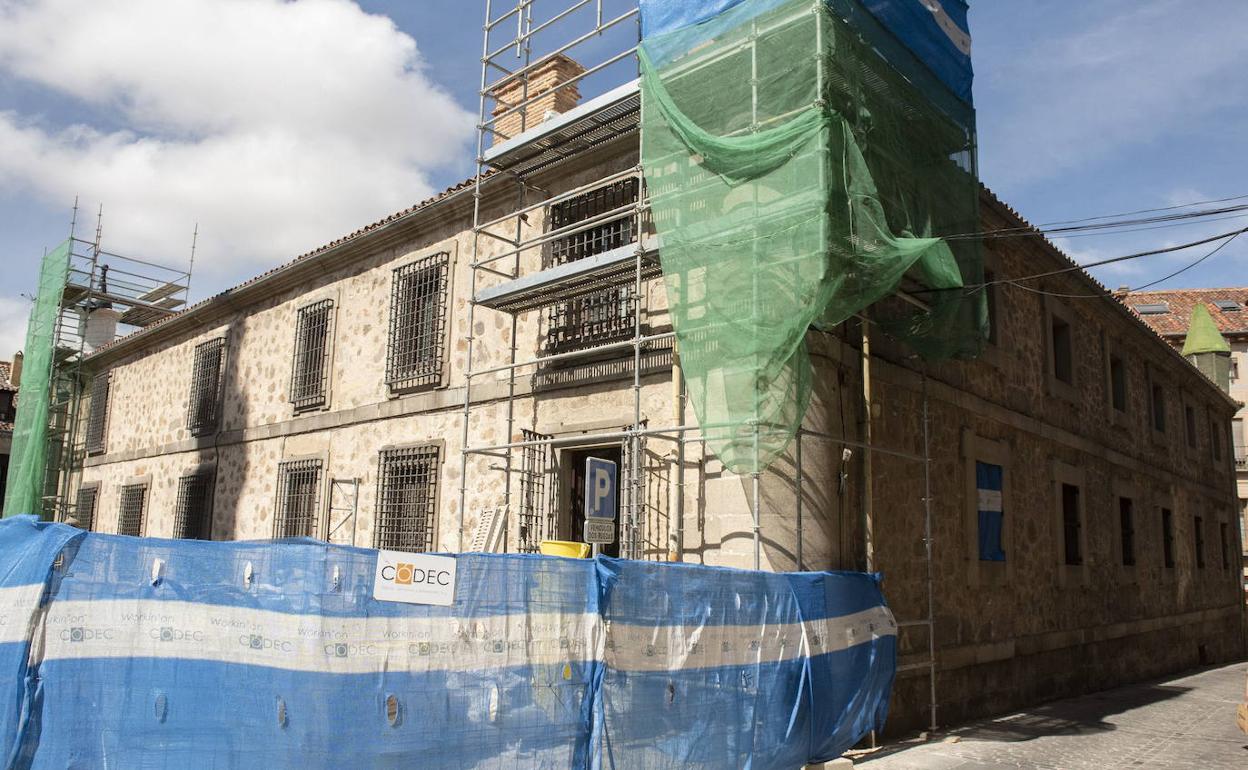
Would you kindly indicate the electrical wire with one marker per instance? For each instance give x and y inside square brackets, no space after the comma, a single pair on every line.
[1180,271]
[1165,220]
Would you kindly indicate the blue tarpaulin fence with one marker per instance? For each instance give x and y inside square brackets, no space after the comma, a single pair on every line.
[144,653]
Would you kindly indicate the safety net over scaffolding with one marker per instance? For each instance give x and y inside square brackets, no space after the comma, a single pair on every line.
[807,161]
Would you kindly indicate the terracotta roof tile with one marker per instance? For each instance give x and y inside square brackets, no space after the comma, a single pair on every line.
[1179,304]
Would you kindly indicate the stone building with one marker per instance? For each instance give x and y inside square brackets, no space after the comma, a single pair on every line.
[1169,313]
[10,377]
[326,398]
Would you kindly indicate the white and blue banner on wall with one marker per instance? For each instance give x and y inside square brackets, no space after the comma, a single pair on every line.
[989,506]
[127,652]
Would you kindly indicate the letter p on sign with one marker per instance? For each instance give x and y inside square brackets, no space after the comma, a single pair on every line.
[600,486]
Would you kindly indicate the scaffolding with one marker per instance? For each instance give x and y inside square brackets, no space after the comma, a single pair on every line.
[104,297]
[512,274]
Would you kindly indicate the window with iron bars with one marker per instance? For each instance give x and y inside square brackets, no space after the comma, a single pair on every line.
[192,518]
[131,511]
[97,417]
[604,316]
[309,365]
[204,407]
[537,510]
[407,498]
[298,495]
[83,516]
[417,338]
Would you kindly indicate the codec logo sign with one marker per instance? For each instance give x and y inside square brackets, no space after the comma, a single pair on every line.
[415,578]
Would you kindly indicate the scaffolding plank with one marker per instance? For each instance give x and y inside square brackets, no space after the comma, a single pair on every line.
[571,279]
[608,116]
[162,292]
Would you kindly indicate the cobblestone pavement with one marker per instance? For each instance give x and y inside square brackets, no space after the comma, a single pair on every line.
[1186,722]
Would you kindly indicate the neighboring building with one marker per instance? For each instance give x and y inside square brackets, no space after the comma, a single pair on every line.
[1169,313]
[10,376]
[325,398]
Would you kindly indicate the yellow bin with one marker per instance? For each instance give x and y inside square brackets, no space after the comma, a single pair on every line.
[564,548]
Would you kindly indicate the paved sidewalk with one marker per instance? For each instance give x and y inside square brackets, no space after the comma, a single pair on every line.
[1186,722]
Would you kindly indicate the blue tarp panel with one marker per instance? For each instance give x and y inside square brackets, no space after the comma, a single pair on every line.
[936,32]
[185,654]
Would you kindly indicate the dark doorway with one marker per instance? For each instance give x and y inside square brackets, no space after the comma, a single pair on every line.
[574,496]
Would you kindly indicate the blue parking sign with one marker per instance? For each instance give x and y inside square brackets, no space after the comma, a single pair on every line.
[600,487]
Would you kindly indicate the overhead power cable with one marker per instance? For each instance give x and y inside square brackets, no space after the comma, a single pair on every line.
[1098,227]
[1228,237]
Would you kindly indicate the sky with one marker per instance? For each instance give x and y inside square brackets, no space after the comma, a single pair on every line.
[278,126]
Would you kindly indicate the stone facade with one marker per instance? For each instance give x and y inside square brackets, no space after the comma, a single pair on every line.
[1170,316]
[1005,632]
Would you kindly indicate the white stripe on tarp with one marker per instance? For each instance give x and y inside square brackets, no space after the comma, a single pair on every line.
[958,36]
[17,604]
[989,500]
[183,630]
[672,648]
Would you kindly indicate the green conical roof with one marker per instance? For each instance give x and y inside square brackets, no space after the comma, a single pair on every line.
[1203,335]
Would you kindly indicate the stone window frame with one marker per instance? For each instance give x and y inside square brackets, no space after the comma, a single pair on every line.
[334,296]
[1114,350]
[98,412]
[210,399]
[145,522]
[1126,488]
[995,347]
[450,250]
[209,471]
[976,448]
[1189,406]
[1166,502]
[1154,380]
[98,487]
[1069,574]
[439,463]
[1059,311]
[321,513]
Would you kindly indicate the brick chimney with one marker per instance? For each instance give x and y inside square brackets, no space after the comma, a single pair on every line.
[15,369]
[542,79]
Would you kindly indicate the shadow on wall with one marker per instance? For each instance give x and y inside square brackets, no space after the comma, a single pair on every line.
[232,460]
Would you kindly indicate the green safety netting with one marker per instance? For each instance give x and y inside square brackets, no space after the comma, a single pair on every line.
[795,179]
[24,487]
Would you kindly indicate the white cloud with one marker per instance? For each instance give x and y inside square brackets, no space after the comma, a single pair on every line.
[13,315]
[275,125]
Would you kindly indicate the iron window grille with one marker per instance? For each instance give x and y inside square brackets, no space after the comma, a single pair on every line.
[417,340]
[84,507]
[204,408]
[97,417]
[131,511]
[193,514]
[604,316]
[537,512]
[407,496]
[309,364]
[298,496]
